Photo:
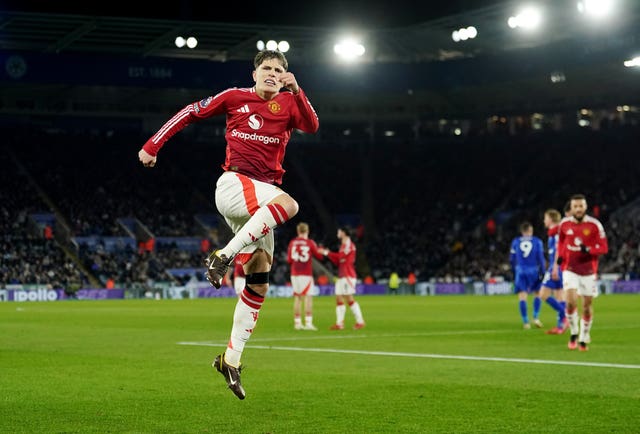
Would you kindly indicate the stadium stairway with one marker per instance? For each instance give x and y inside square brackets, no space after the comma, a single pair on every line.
[62,233]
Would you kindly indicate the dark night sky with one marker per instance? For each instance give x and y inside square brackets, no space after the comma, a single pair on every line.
[328,13]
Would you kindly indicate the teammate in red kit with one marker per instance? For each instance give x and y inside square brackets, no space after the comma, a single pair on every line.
[345,260]
[259,123]
[300,252]
[581,240]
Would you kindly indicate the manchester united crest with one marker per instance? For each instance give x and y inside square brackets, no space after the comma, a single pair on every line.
[586,232]
[274,107]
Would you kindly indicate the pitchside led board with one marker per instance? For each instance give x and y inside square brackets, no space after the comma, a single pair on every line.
[25,295]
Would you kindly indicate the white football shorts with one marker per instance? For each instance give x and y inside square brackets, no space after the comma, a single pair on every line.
[237,198]
[585,285]
[346,286]
[302,285]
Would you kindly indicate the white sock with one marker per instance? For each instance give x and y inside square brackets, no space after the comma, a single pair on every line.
[341,309]
[585,328]
[308,320]
[355,308]
[260,224]
[245,318]
[573,322]
[297,321]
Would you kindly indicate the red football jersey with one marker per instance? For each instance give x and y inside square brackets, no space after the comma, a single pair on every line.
[299,255]
[572,234]
[257,130]
[345,259]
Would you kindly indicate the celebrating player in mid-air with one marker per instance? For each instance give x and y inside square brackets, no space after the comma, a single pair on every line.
[260,120]
[581,241]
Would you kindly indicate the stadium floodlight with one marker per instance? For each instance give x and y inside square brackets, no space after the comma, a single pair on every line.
[464,34]
[192,42]
[472,32]
[595,8]
[260,45]
[528,19]
[272,45]
[632,62]
[283,46]
[180,42]
[349,49]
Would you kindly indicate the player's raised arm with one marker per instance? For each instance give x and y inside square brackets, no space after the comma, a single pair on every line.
[315,251]
[207,107]
[304,116]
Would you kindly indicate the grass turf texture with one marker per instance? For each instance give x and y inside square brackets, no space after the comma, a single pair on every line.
[116,366]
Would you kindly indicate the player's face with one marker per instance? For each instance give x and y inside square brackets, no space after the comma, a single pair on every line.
[267,76]
[547,221]
[578,208]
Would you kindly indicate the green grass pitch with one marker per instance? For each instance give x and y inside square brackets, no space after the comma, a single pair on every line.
[119,367]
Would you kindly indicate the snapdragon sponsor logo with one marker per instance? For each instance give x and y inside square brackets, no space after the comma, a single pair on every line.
[36,295]
[255,136]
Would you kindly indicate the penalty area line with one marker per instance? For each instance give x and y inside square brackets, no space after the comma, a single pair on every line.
[430,356]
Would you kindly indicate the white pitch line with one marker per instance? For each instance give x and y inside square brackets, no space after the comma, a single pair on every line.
[429,356]
[311,337]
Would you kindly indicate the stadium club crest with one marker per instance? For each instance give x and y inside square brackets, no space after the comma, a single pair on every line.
[274,107]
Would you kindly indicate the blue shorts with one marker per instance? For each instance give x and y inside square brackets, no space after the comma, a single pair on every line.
[550,283]
[527,280]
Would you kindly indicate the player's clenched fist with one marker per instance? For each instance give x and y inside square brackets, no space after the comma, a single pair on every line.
[288,80]
[146,159]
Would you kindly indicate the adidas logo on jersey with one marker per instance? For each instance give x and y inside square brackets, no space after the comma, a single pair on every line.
[243,109]
[570,232]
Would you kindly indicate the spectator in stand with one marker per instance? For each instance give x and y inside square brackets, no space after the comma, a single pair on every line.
[48,232]
[205,245]
[491,227]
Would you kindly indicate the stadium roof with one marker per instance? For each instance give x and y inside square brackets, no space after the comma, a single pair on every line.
[223,41]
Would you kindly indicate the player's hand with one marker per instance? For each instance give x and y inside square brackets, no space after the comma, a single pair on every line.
[584,249]
[146,159]
[288,80]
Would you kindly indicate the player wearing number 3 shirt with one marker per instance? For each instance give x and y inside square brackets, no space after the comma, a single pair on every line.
[299,256]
